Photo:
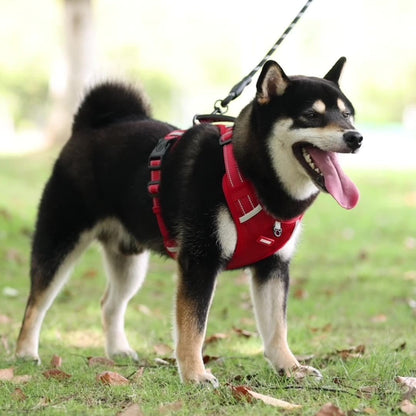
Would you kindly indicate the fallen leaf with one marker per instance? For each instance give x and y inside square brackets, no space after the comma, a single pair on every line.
[368,391]
[6,374]
[208,358]
[22,379]
[5,214]
[170,407]
[353,352]
[378,319]
[215,338]
[165,361]
[56,361]
[131,410]
[56,374]
[4,320]
[409,382]
[244,333]
[325,328]
[144,310]
[10,292]
[19,395]
[112,379]
[90,274]
[137,375]
[410,243]
[330,409]
[300,294]
[407,407]
[14,256]
[242,392]
[162,349]
[96,361]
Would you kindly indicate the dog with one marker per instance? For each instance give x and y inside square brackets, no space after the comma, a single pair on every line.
[285,143]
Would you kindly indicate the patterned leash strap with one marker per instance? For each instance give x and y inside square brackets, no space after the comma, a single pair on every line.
[221,106]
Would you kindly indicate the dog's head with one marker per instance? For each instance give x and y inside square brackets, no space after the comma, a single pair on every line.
[308,120]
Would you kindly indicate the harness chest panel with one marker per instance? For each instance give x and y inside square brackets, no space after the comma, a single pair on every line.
[259,235]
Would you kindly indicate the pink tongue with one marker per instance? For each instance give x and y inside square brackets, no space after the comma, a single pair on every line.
[336,182]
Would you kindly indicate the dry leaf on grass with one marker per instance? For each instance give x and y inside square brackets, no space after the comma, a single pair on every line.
[330,409]
[56,361]
[244,333]
[96,361]
[18,395]
[209,358]
[56,374]
[21,379]
[170,407]
[112,379]
[409,382]
[4,319]
[6,374]
[132,410]
[353,352]
[215,338]
[407,407]
[162,349]
[242,392]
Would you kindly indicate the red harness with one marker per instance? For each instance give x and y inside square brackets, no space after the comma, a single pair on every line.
[259,235]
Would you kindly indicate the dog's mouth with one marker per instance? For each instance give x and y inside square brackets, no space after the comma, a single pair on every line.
[326,172]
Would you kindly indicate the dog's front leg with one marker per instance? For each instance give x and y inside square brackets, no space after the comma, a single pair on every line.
[193,301]
[270,283]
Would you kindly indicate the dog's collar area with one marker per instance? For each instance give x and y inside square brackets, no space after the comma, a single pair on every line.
[259,235]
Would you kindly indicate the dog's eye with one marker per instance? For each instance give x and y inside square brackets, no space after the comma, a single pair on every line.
[346,114]
[310,114]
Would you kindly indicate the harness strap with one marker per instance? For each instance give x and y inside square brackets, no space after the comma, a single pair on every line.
[259,235]
[155,164]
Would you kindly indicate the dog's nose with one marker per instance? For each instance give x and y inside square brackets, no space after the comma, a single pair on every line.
[353,139]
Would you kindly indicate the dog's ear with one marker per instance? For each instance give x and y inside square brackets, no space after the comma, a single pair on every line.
[272,82]
[335,72]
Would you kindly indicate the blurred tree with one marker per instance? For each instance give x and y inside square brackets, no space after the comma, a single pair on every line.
[75,67]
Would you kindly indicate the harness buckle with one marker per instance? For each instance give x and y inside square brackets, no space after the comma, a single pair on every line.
[159,151]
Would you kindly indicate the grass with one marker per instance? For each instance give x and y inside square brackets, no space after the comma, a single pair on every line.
[352,279]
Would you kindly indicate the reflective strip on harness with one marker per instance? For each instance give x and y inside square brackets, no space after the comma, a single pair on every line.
[259,235]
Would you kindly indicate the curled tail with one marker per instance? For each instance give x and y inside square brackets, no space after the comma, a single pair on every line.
[109,103]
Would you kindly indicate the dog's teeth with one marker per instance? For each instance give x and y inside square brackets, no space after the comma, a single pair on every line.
[310,162]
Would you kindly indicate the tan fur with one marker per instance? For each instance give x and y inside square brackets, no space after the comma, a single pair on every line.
[189,342]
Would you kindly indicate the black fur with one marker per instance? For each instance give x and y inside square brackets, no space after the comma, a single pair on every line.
[102,173]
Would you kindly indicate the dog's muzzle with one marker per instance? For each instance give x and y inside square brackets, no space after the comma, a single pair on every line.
[353,139]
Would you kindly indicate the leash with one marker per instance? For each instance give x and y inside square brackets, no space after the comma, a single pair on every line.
[221,106]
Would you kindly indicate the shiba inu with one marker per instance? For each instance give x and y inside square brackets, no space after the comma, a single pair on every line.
[284,145]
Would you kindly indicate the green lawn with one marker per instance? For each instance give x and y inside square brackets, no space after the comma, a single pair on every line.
[353,283]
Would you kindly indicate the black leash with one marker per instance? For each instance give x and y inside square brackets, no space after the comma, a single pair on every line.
[221,106]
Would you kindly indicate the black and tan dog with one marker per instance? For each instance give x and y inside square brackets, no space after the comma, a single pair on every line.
[285,143]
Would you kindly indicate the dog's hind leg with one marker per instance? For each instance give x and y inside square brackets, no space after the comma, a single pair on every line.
[126,273]
[51,266]
[270,282]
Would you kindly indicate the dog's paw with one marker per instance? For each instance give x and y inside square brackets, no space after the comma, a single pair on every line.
[28,358]
[124,355]
[302,372]
[206,379]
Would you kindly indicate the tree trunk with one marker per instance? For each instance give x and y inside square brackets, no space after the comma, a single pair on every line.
[74,69]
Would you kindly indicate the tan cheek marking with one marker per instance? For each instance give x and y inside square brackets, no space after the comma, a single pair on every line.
[341,105]
[319,106]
